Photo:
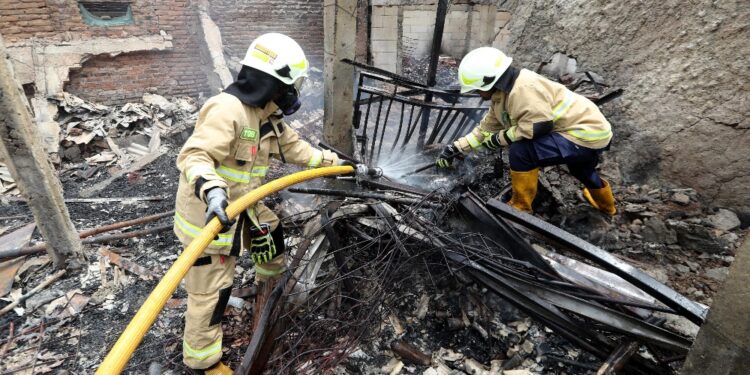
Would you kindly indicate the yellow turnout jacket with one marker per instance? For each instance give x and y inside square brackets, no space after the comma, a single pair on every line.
[535,107]
[231,147]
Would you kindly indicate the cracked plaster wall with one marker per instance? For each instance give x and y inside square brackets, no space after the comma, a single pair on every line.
[684,118]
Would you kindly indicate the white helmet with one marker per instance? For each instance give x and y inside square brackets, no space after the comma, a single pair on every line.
[278,55]
[481,68]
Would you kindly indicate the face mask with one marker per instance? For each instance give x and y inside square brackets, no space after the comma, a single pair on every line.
[288,101]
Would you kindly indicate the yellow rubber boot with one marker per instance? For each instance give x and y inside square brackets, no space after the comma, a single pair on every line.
[524,189]
[601,199]
[219,369]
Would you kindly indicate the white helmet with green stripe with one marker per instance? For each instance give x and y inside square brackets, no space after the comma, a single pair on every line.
[481,68]
[278,55]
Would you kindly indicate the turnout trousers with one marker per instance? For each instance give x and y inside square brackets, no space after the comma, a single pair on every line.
[209,285]
[554,149]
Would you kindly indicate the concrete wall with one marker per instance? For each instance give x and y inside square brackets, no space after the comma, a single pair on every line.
[403,29]
[385,37]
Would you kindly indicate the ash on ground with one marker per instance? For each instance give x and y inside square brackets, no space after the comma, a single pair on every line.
[450,324]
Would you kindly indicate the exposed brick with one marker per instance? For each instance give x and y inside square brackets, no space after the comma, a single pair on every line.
[179,70]
[241,22]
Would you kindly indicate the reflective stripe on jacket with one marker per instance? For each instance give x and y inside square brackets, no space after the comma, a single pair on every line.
[231,147]
[536,106]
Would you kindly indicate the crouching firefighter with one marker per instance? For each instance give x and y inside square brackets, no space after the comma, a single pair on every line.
[541,122]
[237,133]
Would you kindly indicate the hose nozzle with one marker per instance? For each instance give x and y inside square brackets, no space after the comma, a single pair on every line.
[375,172]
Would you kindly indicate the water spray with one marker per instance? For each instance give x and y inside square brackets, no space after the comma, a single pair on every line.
[427,166]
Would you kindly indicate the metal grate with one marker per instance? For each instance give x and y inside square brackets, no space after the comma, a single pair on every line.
[395,116]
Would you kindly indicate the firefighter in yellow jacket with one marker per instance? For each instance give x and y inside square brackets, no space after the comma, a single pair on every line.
[541,122]
[237,133]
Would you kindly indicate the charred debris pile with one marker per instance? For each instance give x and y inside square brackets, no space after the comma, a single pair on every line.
[442,282]
[426,275]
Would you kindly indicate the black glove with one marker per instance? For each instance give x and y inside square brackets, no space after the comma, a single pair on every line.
[262,244]
[445,159]
[493,142]
[217,205]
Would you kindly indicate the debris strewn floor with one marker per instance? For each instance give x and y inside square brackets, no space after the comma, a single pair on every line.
[410,312]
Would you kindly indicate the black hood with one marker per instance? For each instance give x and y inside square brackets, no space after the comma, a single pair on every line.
[507,80]
[254,87]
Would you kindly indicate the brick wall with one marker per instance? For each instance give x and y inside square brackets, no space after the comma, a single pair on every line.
[178,70]
[24,19]
[240,22]
[125,77]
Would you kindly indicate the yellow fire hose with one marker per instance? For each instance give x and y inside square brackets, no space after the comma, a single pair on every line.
[129,340]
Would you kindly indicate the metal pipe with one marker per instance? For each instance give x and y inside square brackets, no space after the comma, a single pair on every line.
[40,247]
[437,40]
[664,294]
[363,195]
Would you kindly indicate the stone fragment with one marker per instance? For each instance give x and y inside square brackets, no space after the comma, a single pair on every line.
[160,102]
[730,238]
[681,198]
[718,273]
[527,347]
[471,366]
[724,219]
[679,324]
[654,230]
[692,236]
[660,274]
[449,355]
[516,372]
[680,268]
[634,208]
[496,367]
[694,266]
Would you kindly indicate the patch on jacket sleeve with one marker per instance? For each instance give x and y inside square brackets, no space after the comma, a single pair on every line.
[249,134]
[505,119]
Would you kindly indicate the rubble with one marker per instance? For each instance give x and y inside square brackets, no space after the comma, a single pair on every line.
[724,219]
[718,274]
[104,134]
[7,183]
[407,294]
[681,198]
